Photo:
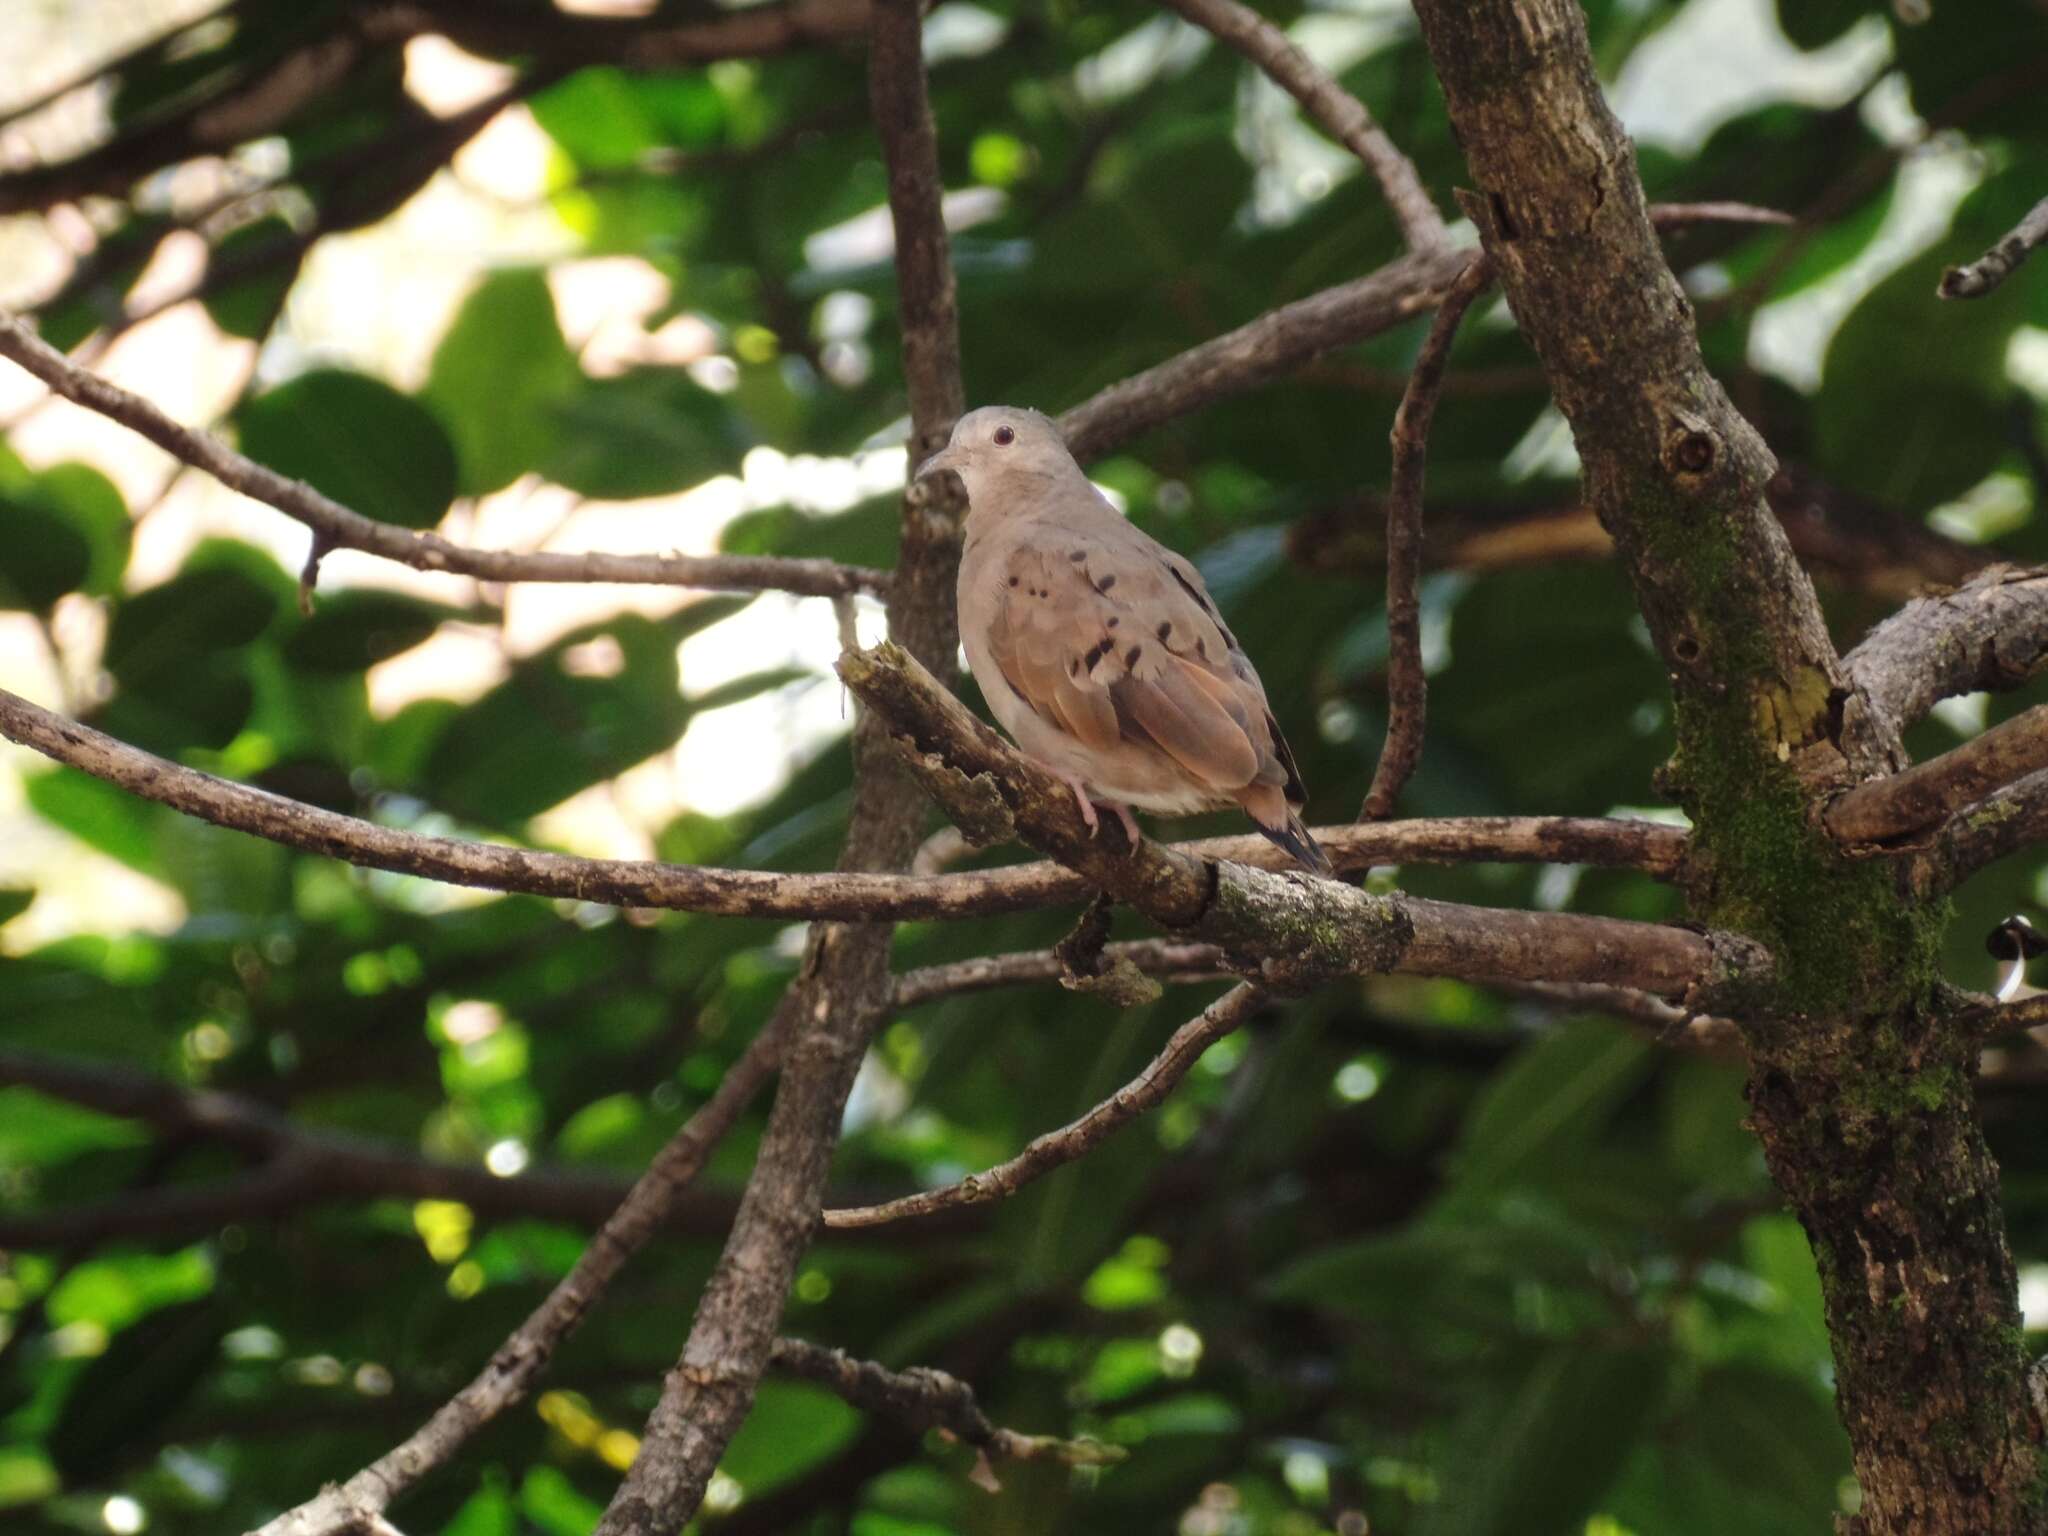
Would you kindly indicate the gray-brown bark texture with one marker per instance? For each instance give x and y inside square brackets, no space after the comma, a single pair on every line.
[845,984]
[1860,1087]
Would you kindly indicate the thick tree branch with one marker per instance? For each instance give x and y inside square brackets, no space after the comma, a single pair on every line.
[1974,279]
[1288,931]
[845,986]
[1056,1148]
[1886,810]
[1332,108]
[922,1399]
[519,1361]
[851,895]
[1407,687]
[1991,633]
[337,527]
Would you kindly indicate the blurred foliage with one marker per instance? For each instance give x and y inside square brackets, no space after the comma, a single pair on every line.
[1404,1249]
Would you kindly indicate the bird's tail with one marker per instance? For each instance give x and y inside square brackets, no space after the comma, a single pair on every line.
[1282,827]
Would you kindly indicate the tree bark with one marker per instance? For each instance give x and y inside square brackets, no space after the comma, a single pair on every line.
[1860,1086]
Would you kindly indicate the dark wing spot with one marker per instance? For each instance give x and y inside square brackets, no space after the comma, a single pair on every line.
[1114,622]
[1131,656]
[1095,654]
[1193,591]
[1074,667]
[1077,555]
[1105,584]
[1165,629]
[1201,648]
[1013,581]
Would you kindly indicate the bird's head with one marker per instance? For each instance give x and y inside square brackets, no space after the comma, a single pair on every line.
[1002,444]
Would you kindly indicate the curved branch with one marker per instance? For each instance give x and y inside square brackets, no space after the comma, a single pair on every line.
[1990,633]
[922,1399]
[337,527]
[1056,1148]
[519,1361]
[1167,958]
[1332,108]
[1407,687]
[1974,279]
[1885,810]
[1284,930]
[855,896]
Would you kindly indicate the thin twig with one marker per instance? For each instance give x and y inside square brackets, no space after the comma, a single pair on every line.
[1056,1148]
[1974,279]
[853,895]
[923,1399]
[1170,959]
[1928,793]
[1339,113]
[1407,687]
[519,1361]
[343,528]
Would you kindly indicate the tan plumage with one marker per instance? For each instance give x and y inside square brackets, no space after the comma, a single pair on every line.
[1100,650]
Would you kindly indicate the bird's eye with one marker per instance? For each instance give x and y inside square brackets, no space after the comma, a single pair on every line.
[1005,436]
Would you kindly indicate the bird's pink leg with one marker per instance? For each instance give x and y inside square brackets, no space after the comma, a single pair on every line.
[1130,825]
[1081,799]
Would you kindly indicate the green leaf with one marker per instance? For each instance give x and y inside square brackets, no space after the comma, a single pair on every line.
[141,1380]
[63,530]
[357,440]
[644,433]
[15,900]
[99,815]
[270,250]
[35,1131]
[793,1427]
[1536,1462]
[500,378]
[1914,437]
[547,732]
[1554,1097]
[1703,1126]
[355,629]
[550,1501]
[1775,1436]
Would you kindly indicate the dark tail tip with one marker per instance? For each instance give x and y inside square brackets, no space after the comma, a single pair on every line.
[1306,851]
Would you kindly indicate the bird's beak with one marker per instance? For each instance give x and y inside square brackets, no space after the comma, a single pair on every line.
[943,459]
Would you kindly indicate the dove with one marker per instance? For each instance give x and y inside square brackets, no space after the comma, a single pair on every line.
[1099,649]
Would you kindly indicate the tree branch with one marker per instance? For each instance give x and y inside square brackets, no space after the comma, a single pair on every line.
[1651,847]
[1056,1148]
[845,987]
[1174,960]
[337,527]
[1332,108]
[1991,633]
[2003,822]
[1975,279]
[519,1361]
[1275,344]
[1407,687]
[1885,810]
[924,1399]
[1290,932]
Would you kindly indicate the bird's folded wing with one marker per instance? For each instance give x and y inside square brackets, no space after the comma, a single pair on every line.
[1121,646]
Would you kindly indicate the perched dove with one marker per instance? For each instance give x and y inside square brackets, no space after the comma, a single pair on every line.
[1099,650]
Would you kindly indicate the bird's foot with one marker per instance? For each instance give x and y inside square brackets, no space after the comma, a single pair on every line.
[1130,824]
[1081,799]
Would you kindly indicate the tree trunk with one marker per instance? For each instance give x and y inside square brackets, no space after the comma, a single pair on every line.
[1861,1087]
